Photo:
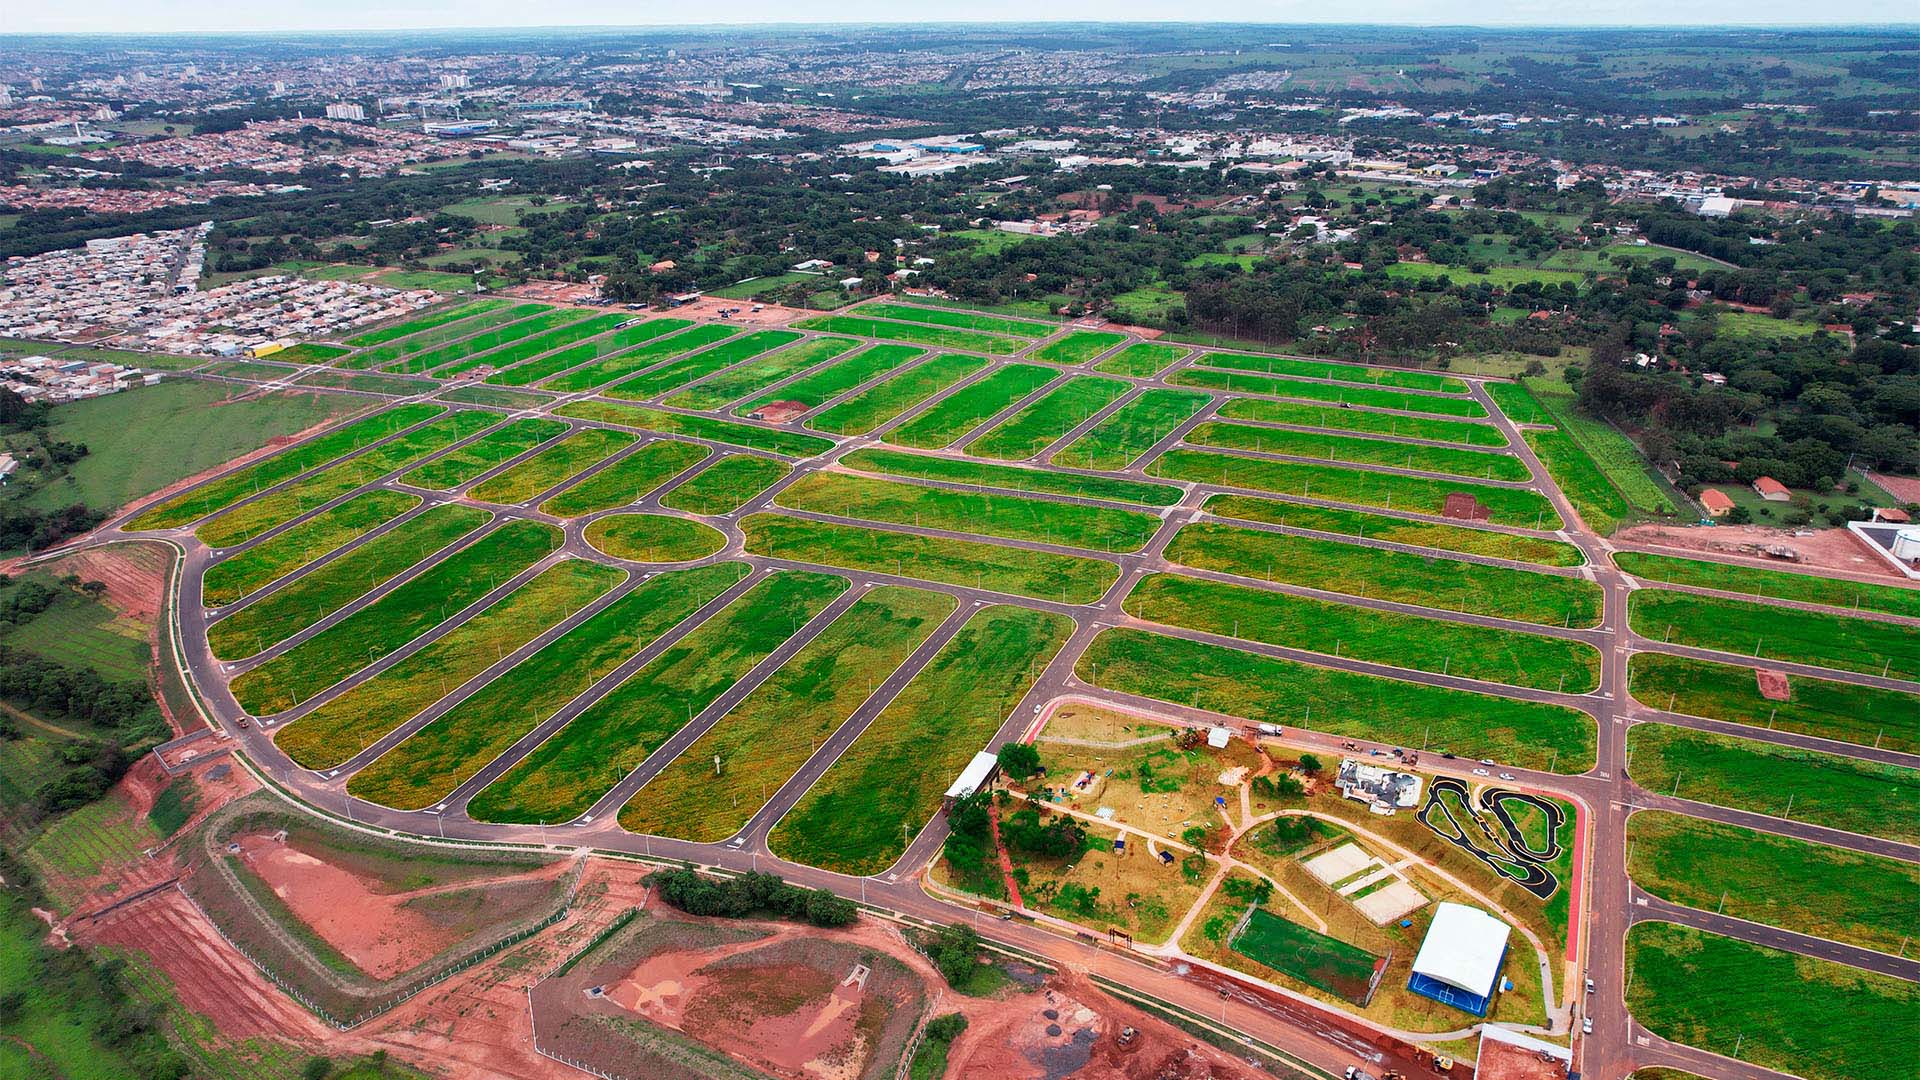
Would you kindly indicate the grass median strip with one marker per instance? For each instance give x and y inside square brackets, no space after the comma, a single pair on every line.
[613,367]
[726,484]
[489,451]
[1045,481]
[961,320]
[1042,575]
[1299,414]
[1077,347]
[775,729]
[1361,524]
[857,817]
[885,400]
[1848,712]
[1040,424]
[355,720]
[555,465]
[670,377]
[755,376]
[395,619]
[654,538]
[1007,516]
[1360,450]
[622,338]
[426,339]
[830,382]
[447,752]
[1770,584]
[1389,491]
[1131,430]
[563,776]
[1271,690]
[1778,781]
[1141,359]
[1383,637]
[243,572]
[940,337]
[1301,368]
[968,408]
[627,480]
[1764,631]
[772,440]
[1379,574]
[1240,382]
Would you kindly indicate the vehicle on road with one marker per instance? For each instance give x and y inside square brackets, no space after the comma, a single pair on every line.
[1481,772]
[1506,776]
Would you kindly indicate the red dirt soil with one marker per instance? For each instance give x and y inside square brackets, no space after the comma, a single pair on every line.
[1904,488]
[1826,549]
[708,307]
[1774,685]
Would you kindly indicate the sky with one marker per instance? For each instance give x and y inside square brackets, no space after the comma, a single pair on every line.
[142,16]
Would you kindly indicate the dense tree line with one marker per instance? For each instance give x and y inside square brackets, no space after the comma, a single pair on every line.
[766,895]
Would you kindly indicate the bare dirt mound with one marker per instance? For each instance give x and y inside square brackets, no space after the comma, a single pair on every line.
[135,576]
[1825,549]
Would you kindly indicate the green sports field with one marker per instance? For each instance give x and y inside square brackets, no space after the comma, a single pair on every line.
[1313,958]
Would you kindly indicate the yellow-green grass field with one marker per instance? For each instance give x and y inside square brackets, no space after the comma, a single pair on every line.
[1077,347]
[619,341]
[1040,424]
[1242,382]
[669,377]
[1360,524]
[789,443]
[243,572]
[1042,481]
[1009,517]
[1386,491]
[756,375]
[967,408]
[1131,430]
[1142,359]
[726,484]
[1360,450]
[653,352]
[1771,584]
[627,480]
[1763,632]
[488,452]
[887,399]
[830,382]
[1301,368]
[553,466]
[653,538]
[1299,414]
[1848,712]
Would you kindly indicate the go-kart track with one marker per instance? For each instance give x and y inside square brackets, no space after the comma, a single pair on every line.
[796,517]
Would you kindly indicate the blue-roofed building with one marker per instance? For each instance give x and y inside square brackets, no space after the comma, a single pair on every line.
[1459,961]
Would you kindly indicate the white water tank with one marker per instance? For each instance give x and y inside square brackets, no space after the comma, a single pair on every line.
[1906,544]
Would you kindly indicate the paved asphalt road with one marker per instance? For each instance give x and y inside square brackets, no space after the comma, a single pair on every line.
[1609,903]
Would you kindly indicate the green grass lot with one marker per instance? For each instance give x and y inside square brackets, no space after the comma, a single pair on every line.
[726,485]
[766,738]
[236,576]
[1848,712]
[1773,584]
[983,513]
[1824,789]
[1142,359]
[1270,690]
[1579,478]
[227,490]
[1042,575]
[669,377]
[355,720]
[308,352]
[653,538]
[1763,632]
[627,480]
[1867,900]
[328,588]
[1601,259]
[1131,430]
[773,441]
[1360,450]
[395,619]
[1411,494]
[447,752]
[555,465]
[561,779]
[243,523]
[1380,574]
[1615,455]
[752,287]
[961,320]
[1037,426]
[557,338]
[388,385]
[828,383]
[613,367]
[494,398]
[977,474]
[1242,382]
[856,817]
[1077,347]
[488,452]
[598,348]
[1313,958]
[939,337]
[967,408]
[1297,368]
[1751,325]
[885,400]
[1504,277]
[757,375]
[453,352]
[84,633]
[438,317]
[1407,641]
[1368,423]
[429,339]
[1814,1018]
[141,440]
[1396,530]
[1518,404]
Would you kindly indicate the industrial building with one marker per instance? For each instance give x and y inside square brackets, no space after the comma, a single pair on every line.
[1459,961]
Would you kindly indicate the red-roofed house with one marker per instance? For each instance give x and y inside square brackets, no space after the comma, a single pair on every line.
[1772,490]
[1716,502]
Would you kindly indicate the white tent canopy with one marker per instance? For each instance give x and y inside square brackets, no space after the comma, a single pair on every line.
[1463,948]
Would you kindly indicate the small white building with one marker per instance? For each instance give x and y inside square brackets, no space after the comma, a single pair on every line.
[973,776]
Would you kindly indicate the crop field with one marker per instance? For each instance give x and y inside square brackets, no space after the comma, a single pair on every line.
[1039,425]
[1360,524]
[967,408]
[653,538]
[1357,450]
[439,317]
[855,818]
[530,347]
[1763,631]
[1867,900]
[1594,498]
[669,377]
[644,356]
[1243,382]
[455,351]
[726,484]
[961,320]
[1814,1018]
[1383,637]
[425,339]
[627,480]
[1294,367]
[772,440]
[939,337]
[243,572]
[1771,584]
[626,337]
[1044,481]
[1313,958]
[1260,410]
[885,400]
[830,382]
[488,452]
[420,604]
[775,729]
[1380,574]
[348,724]
[563,777]
[1779,781]
[1043,575]
[755,376]
[1131,430]
[225,491]
[555,465]
[1271,690]
[1142,359]
[1009,517]
[1848,712]
[1388,491]
[447,752]
[1077,347]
